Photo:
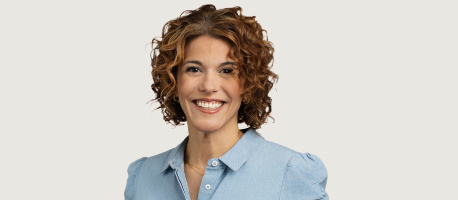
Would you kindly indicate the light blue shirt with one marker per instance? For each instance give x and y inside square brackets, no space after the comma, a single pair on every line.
[253,168]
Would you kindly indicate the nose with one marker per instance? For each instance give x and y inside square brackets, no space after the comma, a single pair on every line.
[210,83]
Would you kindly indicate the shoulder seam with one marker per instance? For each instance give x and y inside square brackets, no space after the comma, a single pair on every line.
[286,171]
[314,173]
[142,160]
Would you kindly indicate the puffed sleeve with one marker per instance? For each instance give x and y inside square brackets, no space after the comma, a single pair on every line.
[305,178]
[132,170]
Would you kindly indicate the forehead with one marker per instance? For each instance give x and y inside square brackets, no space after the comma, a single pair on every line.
[206,48]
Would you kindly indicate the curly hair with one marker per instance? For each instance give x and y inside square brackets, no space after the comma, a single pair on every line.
[249,49]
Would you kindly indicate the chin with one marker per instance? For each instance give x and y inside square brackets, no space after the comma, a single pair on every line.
[208,127]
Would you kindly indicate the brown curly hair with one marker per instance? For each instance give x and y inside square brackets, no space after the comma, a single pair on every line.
[250,50]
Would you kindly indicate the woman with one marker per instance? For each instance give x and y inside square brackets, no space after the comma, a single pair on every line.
[211,69]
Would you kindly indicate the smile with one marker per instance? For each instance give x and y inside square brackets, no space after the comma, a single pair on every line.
[209,106]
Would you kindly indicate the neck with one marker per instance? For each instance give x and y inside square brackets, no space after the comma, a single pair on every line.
[203,146]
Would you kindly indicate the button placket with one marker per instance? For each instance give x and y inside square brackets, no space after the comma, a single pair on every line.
[210,181]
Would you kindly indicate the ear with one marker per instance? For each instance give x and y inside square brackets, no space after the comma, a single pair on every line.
[245,100]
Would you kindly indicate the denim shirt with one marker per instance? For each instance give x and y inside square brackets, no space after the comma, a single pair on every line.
[252,169]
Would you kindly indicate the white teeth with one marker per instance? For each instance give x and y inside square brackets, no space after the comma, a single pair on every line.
[209,105]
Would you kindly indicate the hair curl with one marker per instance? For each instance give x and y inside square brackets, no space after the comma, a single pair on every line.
[250,50]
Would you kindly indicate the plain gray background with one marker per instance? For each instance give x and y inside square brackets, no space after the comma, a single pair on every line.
[368,86]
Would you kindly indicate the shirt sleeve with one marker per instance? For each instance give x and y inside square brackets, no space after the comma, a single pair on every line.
[305,178]
[132,170]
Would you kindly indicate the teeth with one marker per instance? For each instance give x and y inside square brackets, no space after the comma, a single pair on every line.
[209,105]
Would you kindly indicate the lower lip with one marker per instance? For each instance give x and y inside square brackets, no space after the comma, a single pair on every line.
[209,111]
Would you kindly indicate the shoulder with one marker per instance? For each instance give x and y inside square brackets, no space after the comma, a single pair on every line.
[277,149]
[132,171]
[134,166]
[295,160]
[152,162]
[290,157]
[305,176]
[309,164]
[305,161]
[158,160]
[141,166]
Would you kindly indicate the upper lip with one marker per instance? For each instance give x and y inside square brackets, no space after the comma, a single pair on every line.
[208,99]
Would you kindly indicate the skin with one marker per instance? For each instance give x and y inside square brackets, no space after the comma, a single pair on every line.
[205,73]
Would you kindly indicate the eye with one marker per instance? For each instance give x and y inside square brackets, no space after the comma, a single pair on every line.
[192,69]
[227,70]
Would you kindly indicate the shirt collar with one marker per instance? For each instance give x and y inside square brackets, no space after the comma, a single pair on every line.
[176,156]
[242,150]
[234,158]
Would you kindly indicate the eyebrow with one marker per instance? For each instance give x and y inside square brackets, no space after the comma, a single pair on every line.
[200,63]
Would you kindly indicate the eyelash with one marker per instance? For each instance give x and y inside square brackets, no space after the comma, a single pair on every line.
[227,70]
[189,69]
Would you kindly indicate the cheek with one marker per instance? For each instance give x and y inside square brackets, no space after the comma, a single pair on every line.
[181,90]
[180,83]
[235,91]
[185,86]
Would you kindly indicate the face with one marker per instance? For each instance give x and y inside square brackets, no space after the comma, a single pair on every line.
[208,94]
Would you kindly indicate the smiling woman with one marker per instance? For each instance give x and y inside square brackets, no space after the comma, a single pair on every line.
[211,70]
[208,95]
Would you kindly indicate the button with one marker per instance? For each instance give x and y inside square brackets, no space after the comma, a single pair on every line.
[207,187]
[214,163]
